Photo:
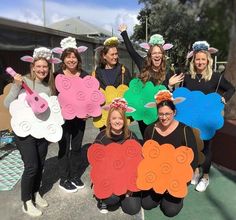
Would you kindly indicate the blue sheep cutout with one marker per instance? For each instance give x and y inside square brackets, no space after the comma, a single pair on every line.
[200,111]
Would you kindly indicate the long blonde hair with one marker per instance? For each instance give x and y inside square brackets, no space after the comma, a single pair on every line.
[148,71]
[125,128]
[49,79]
[207,74]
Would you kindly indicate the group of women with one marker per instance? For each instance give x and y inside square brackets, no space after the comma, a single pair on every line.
[110,72]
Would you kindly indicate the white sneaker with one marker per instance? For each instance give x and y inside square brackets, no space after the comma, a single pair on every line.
[30,209]
[195,179]
[202,185]
[40,201]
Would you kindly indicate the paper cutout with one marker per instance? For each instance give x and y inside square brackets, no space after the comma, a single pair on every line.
[45,125]
[79,97]
[165,168]
[200,111]
[114,168]
[110,93]
[138,95]
[4,112]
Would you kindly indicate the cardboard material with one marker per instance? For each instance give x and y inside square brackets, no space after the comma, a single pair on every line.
[200,111]
[110,93]
[138,95]
[79,97]
[46,125]
[5,116]
[114,168]
[165,168]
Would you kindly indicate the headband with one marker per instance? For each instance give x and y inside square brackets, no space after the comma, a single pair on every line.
[41,52]
[119,103]
[69,42]
[164,95]
[201,45]
[156,39]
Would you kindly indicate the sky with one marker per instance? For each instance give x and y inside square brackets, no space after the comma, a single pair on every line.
[107,14]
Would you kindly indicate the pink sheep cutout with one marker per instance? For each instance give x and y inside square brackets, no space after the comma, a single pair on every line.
[79,97]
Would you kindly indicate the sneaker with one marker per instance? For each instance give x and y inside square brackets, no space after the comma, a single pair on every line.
[67,186]
[77,182]
[40,201]
[202,185]
[102,207]
[195,179]
[29,208]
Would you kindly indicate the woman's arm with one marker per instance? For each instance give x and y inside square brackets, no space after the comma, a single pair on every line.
[227,87]
[139,60]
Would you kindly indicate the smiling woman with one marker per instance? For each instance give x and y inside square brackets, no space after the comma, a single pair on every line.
[167,130]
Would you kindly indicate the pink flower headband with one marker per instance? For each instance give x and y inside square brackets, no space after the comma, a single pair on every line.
[41,52]
[69,42]
[201,45]
[119,103]
[156,39]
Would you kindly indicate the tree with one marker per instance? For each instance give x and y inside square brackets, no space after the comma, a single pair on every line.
[230,110]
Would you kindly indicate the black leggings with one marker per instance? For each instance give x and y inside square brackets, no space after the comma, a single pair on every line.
[130,205]
[70,160]
[208,157]
[33,153]
[169,205]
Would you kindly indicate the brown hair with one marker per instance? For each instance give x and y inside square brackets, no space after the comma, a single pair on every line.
[148,71]
[69,51]
[102,62]
[125,127]
[49,79]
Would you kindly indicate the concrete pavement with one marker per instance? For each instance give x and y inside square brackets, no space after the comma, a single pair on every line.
[69,206]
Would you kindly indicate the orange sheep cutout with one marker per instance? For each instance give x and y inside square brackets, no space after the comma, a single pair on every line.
[165,168]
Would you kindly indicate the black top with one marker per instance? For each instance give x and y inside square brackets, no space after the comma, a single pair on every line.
[103,139]
[209,86]
[176,138]
[82,74]
[113,77]
[139,60]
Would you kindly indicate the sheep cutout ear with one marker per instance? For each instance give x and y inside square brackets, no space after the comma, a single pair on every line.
[145,46]
[130,109]
[55,60]
[190,54]
[57,50]
[150,105]
[27,59]
[179,100]
[106,107]
[82,49]
[167,46]
[212,50]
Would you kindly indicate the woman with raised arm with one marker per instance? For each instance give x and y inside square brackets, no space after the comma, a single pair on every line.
[153,66]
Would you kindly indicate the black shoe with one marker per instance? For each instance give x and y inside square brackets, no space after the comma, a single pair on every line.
[102,207]
[67,186]
[77,182]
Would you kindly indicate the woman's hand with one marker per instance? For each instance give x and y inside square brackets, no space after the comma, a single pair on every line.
[18,79]
[223,100]
[122,27]
[176,79]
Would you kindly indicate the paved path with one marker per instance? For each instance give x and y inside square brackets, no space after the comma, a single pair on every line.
[69,206]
